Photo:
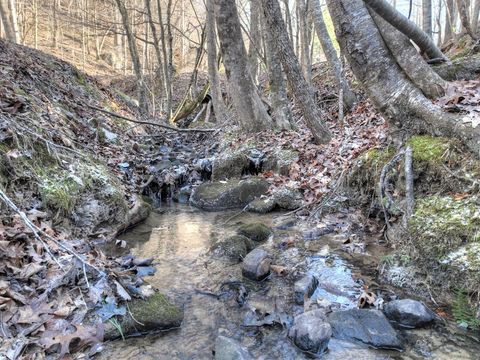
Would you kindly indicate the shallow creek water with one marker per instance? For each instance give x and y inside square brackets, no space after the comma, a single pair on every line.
[179,239]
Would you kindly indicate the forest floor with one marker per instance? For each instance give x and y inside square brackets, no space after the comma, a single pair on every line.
[71,177]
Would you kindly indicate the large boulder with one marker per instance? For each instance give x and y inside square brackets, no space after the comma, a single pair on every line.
[409,313]
[311,332]
[368,326]
[229,349]
[153,313]
[216,196]
[256,231]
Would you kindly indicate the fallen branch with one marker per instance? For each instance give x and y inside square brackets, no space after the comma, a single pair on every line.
[149,122]
[408,184]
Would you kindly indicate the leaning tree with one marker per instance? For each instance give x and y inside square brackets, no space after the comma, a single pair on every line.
[393,88]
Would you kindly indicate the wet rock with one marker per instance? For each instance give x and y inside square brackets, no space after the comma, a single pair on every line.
[286,224]
[228,194]
[255,231]
[229,166]
[288,198]
[262,205]
[318,232]
[311,332]
[280,161]
[409,313]
[154,313]
[368,326]
[183,195]
[229,349]
[256,265]
[234,248]
[304,288]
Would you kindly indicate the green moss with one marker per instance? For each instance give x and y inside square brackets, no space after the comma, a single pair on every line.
[60,194]
[155,308]
[255,231]
[430,149]
[440,224]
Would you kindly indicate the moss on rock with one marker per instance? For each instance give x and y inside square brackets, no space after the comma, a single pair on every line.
[153,313]
[229,165]
[441,224]
[234,248]
[255,231]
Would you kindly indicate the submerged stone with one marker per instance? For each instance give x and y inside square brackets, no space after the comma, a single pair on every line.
[234,248]
[368,326]
[256,265]
[409,313]
[228,194]
[261,206]
[255,231]
[229,349]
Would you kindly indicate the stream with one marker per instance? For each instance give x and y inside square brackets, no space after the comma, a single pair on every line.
[179,238]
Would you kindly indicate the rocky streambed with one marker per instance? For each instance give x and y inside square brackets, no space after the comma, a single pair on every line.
[267,286]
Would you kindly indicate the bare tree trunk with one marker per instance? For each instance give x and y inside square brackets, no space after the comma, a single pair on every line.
[7,24]
[213,76]
[300,88]
[427,17]
[288,20]
[411,62]
[142,91]
[12,4]
[156,41]
[249,108]
[165,37]
[475,14]
[304,39]
[281,112]
[402,103]
[255,39]
[463,11]
[450,15]
[349,98]
[409,28]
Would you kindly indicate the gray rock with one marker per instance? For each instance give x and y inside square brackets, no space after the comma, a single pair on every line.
[230,194]
[262,205]
[229,166]
[368,326]
[409,313]
[311,332]
[256,231]
[229,349]
[288,198]
[234,248]
[304,288]
[256,265]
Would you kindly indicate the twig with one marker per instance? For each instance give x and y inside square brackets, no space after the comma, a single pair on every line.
[149,122]
[408,185]
[236,214]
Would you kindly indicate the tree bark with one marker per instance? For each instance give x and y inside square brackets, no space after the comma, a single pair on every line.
[427,17]
[401,102]
[450,15]
[411,62]
[255,40]
[407,27]
[250,111]
[166,52]
[463,11]
[475,14]
[278,93]
[349,98]
[300,88]
[213,76]
[6,22]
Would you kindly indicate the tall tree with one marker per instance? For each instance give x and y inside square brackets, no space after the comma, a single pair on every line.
[249,108]
[331,55]
[132,45]
[300,88]
[213,76]
[427,17]
[462,7]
